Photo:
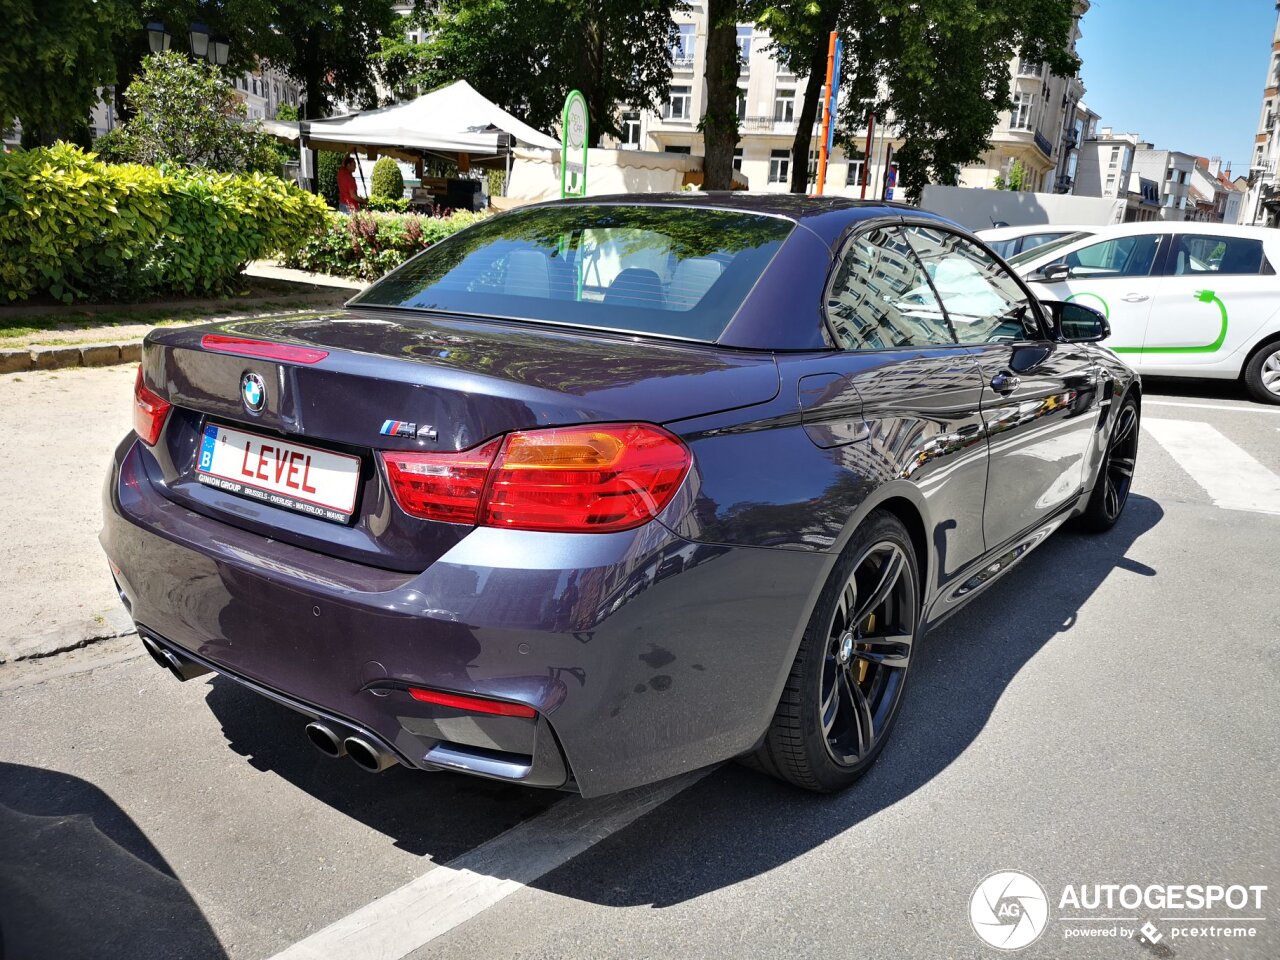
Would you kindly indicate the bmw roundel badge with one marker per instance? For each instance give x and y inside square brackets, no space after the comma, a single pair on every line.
[253,391]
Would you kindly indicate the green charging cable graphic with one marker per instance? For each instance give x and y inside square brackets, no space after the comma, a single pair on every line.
[1204,296]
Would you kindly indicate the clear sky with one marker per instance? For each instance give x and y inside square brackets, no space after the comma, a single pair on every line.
[1185,74]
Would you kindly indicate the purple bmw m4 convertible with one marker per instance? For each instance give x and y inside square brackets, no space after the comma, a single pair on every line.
[596,492]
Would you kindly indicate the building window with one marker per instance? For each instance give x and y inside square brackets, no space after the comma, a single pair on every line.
[856,173]
[784,105]
[737,159]
[779,166]
[679,103]
[742,103]
[744,45]
[631,131]
[677,149]
[1020,116]
[682,48]
[1111,185]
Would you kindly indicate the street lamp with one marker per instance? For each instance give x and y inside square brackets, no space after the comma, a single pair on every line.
[218,51]
[199,38]
[158,37]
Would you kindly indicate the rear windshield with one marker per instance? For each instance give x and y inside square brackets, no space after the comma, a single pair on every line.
[671,271]
[1035,253]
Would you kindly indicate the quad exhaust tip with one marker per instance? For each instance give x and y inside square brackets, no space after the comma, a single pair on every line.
[178,665]
[368,756]
[324,739]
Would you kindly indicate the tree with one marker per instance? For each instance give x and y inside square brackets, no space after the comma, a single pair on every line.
[526,56]
[184,111]
[54,58]
[801,34]
[719,122]
[940,70]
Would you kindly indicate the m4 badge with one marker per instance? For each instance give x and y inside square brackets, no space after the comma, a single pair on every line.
[403,428]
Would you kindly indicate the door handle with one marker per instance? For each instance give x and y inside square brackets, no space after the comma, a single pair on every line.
[1005,382]
[1134,297]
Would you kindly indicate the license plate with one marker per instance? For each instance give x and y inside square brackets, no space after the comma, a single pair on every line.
[282,474]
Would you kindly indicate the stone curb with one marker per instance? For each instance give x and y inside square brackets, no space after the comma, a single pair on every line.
[72,636]
[60,358]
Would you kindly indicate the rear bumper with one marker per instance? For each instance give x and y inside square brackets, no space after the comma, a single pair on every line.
[644,654]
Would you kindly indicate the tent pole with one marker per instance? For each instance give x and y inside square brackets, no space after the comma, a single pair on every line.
[360,170]
[506,184]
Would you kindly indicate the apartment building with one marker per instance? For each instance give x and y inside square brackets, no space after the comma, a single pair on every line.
[1261,204]
[1171,169]
[1044,128]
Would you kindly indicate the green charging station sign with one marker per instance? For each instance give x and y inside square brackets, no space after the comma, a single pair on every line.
[573,146]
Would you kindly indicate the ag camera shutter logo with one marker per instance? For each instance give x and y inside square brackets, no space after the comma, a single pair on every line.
[1008,910]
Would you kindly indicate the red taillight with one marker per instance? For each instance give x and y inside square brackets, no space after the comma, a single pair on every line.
[245,347]
[458,701]
[584,479]
[590,479]
[440,486]
[149,411]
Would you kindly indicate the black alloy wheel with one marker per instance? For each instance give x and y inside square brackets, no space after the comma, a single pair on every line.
[846,684]
[1115,476]
[868,650]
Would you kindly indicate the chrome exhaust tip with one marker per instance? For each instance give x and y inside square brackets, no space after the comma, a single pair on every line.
[178,665]
[368,756]
[324,739]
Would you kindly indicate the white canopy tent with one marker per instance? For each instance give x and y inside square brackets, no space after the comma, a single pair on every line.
[450,120]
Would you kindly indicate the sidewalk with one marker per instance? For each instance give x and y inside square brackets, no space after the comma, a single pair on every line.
[56,336]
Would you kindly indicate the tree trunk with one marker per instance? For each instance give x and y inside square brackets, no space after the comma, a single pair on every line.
[809,112]
[720,119]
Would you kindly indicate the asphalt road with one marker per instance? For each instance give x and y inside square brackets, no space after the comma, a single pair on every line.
[1105,714]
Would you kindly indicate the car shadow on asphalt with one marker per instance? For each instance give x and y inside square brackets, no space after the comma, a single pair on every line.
[735,824]
[78,879]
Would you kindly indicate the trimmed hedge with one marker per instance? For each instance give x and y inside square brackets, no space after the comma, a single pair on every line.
[76,228]
[387,181]
[368,245]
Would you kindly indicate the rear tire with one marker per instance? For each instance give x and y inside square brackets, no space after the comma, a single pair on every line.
[847,681]
[1115,473]
[1262,374]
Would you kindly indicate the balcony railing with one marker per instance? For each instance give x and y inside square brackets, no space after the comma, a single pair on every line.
[1042,142]
[1026,69]
[682,61]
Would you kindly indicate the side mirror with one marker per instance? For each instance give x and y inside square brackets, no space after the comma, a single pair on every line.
[1051,272]
[1076,323]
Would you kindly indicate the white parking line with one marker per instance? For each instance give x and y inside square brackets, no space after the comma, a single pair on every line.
[1231,477]
[1229,408]
[446,896]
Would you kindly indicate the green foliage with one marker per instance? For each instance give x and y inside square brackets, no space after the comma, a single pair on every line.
[526,56]
[55,56]
[387,180]
[287,112]
[368,245]
[328,163]
[388,204]
[114,146]
[325,45]
[186,112]
[941,68]
[74,228]
[1016,180]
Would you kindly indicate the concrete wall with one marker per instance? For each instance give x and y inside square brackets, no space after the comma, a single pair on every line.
[976,209]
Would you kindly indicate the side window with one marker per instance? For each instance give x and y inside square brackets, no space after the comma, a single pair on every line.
[1122,257]
[881,298]
[982,300]
[1004,248]
[1195,254]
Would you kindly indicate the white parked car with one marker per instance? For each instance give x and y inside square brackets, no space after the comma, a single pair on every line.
[1010,241]
[1183,299]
